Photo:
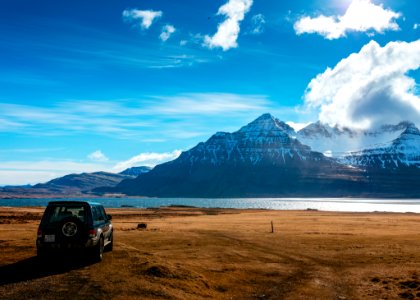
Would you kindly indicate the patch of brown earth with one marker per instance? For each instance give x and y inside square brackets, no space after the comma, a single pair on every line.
[191,253]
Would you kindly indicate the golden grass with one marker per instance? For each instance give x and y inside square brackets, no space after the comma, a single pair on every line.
[191,253]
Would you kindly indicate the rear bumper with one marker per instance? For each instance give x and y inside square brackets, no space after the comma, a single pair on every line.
[40,244]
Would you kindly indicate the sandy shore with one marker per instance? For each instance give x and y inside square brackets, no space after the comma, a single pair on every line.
[190,253]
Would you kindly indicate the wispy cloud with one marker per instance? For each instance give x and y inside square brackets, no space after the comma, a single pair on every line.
[99,49]
[149,159]
[209,103]
[228,31]
[32,172]
[31,150]
[258,24]
[144,17]
[167,31]
[131,118]
[361,16]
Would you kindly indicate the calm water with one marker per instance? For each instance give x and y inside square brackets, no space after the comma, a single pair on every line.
[326,204]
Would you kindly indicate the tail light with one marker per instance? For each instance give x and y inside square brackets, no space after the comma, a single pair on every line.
[39,234]
[92,233]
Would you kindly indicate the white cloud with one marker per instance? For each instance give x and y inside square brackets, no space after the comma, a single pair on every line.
[369,88]
[361,15]
[24,177]
[140,119]
[146,17]
[416,26]
[98,156]
[297,126]
[149,159]
[32,172]
[328,153]
[258,23]
[228,31]
[167,31]
[210,104]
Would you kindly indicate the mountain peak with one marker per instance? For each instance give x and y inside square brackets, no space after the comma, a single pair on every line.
[136,171]
[411,129]
[266,116]
[268,124]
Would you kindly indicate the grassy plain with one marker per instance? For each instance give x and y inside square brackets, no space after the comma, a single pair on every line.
[192,253]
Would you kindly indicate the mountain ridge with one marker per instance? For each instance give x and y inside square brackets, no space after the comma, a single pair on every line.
[268,158]
[261,158]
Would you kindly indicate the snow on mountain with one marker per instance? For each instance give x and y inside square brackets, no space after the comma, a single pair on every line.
[339,142]
[403,151]
[260,159]
[264,139]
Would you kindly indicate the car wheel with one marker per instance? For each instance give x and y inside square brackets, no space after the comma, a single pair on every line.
[71,228]
[110,244]
[98,251]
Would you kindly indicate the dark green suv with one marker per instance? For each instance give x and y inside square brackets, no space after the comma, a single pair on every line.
[75,225]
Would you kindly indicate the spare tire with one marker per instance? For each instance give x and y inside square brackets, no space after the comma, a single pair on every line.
[71,228]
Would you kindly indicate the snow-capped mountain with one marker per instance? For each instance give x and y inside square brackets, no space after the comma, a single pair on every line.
[404,151]
[260,159]
[340,142]
[264,140]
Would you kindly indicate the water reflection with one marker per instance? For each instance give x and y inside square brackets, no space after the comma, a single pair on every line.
[326,204]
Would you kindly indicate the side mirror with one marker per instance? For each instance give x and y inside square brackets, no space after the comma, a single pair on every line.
[109,217]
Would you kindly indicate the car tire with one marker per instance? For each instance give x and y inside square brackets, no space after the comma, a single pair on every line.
[98,250]
[110,245]
[71,229]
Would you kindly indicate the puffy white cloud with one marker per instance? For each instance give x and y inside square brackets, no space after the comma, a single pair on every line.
[97,156]
[361,15]
[146,17]
[369,88]
[167,31]
[258,23]
[149,159]
[228,31]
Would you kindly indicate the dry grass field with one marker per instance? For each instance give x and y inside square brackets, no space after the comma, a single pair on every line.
[192,253]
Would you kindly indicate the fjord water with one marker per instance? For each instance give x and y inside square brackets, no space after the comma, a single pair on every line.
[324,204]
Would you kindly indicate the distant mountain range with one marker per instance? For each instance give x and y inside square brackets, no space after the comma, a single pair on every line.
[72,185]
[261,159]
[268,158]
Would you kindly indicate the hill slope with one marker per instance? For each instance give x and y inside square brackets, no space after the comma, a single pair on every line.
[261,159]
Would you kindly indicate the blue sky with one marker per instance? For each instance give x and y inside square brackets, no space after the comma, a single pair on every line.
[103,85]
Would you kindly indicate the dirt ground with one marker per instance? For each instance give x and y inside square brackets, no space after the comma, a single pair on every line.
[191,253]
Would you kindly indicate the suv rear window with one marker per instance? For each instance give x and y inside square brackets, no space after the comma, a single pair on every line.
[58,213]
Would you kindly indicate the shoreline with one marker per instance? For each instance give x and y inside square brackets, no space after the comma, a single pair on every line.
[280,204]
